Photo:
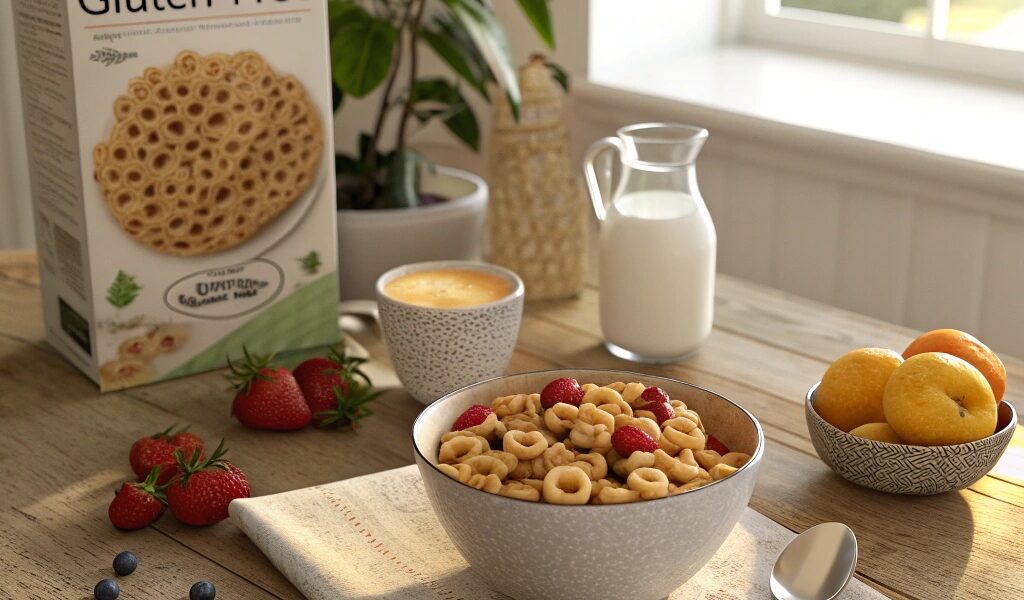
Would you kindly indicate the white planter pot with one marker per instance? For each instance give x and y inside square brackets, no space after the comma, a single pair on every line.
[371,242]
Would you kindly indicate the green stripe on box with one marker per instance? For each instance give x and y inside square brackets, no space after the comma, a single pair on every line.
[306,318]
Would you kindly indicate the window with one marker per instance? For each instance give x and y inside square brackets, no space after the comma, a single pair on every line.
[978,37]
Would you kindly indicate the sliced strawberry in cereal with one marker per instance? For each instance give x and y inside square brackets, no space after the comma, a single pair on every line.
[662,411]
[655,394]
[471,417]
[628,439]
[715,444]
[565,390]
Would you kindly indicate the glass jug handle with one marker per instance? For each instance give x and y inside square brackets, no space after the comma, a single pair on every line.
[590,173]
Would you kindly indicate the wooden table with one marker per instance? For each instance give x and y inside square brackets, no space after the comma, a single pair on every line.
[63,449]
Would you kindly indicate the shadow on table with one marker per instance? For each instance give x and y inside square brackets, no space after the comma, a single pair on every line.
[917,545]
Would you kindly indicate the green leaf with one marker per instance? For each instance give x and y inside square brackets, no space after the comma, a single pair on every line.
[559,74]
[537,12]
[402,179]
[311,262]
[444,100]
[337,96]
[361,51]
[451,43]
[345,164]
[478,19]
[123,290]
[338,12]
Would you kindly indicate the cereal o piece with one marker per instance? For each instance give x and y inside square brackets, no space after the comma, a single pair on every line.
[638,460]
[550,437]
[676,468]
[566,484]
[693,416]
[459,449]
[707,458]
[594,437]
[593,464]
[644,424]
[589,413]
[684,433]
[600,395]
[523,470]
[486,428]
[618,386]
[650,482]
[488,483]
[487,465]
[668,446]
[525,445]
[522,422]
[720,471]
[646,414]
[621,495]
[586,387]
[599,485]
[516,403]
[462,433]
[560,417]
[556,455]
[520,491]
[702,479]
[459,472]
[631,393]
[537,484]
[509,459]
[140,347]
[735,459]
[619,408]
[168,338]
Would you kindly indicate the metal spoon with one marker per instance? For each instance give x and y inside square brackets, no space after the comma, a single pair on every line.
[816,565]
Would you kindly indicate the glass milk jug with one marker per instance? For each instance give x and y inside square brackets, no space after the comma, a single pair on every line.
[657,243]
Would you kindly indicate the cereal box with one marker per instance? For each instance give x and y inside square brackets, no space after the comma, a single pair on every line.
[182,177]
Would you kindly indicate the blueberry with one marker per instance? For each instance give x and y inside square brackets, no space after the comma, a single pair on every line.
[202,590]
[125,563]
[106,589]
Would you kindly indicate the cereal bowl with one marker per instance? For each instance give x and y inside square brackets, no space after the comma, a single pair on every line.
[539,551]
[903,468]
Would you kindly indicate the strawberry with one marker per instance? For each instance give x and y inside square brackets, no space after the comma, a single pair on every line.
[267,396]
[349,406]
[628,439]
[471,417]
[158,449]
[136,505]
[317,378]
[565,390]
[655,394]
[200,494]
[715,444]
[662,411]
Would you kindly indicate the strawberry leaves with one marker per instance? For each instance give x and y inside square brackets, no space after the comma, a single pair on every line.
[244,372]
[351,408]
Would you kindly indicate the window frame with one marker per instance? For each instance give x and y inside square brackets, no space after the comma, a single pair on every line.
[762,21]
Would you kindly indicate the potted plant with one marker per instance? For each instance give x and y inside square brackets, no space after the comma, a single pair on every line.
[394,205]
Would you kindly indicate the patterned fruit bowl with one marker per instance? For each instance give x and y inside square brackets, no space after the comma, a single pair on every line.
[906,469]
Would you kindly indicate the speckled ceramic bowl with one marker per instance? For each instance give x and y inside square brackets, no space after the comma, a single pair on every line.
[906,469]
[537,551]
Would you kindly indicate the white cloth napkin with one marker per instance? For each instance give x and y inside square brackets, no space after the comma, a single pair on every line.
[376,536]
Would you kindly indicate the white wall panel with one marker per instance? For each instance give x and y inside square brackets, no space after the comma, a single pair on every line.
[947,268]
[747,235]
[807,237]
[1002,296]
[875,241]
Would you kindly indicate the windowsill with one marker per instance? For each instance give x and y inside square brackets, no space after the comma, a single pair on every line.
[878,112]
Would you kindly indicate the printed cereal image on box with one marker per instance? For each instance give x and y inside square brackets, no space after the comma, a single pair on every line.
[183,180]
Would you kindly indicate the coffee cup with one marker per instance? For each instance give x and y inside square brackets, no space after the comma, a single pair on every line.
[448,324]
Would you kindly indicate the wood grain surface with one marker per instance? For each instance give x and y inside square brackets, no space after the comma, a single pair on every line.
[63,449]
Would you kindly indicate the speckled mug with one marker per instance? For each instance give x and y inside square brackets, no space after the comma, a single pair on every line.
[437,350]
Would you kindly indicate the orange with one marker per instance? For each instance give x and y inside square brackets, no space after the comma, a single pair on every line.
[880,432]
[966,346]
[850,393]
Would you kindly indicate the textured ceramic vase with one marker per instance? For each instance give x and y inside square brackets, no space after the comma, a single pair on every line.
[906,469]
[537,551]
[437,350]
